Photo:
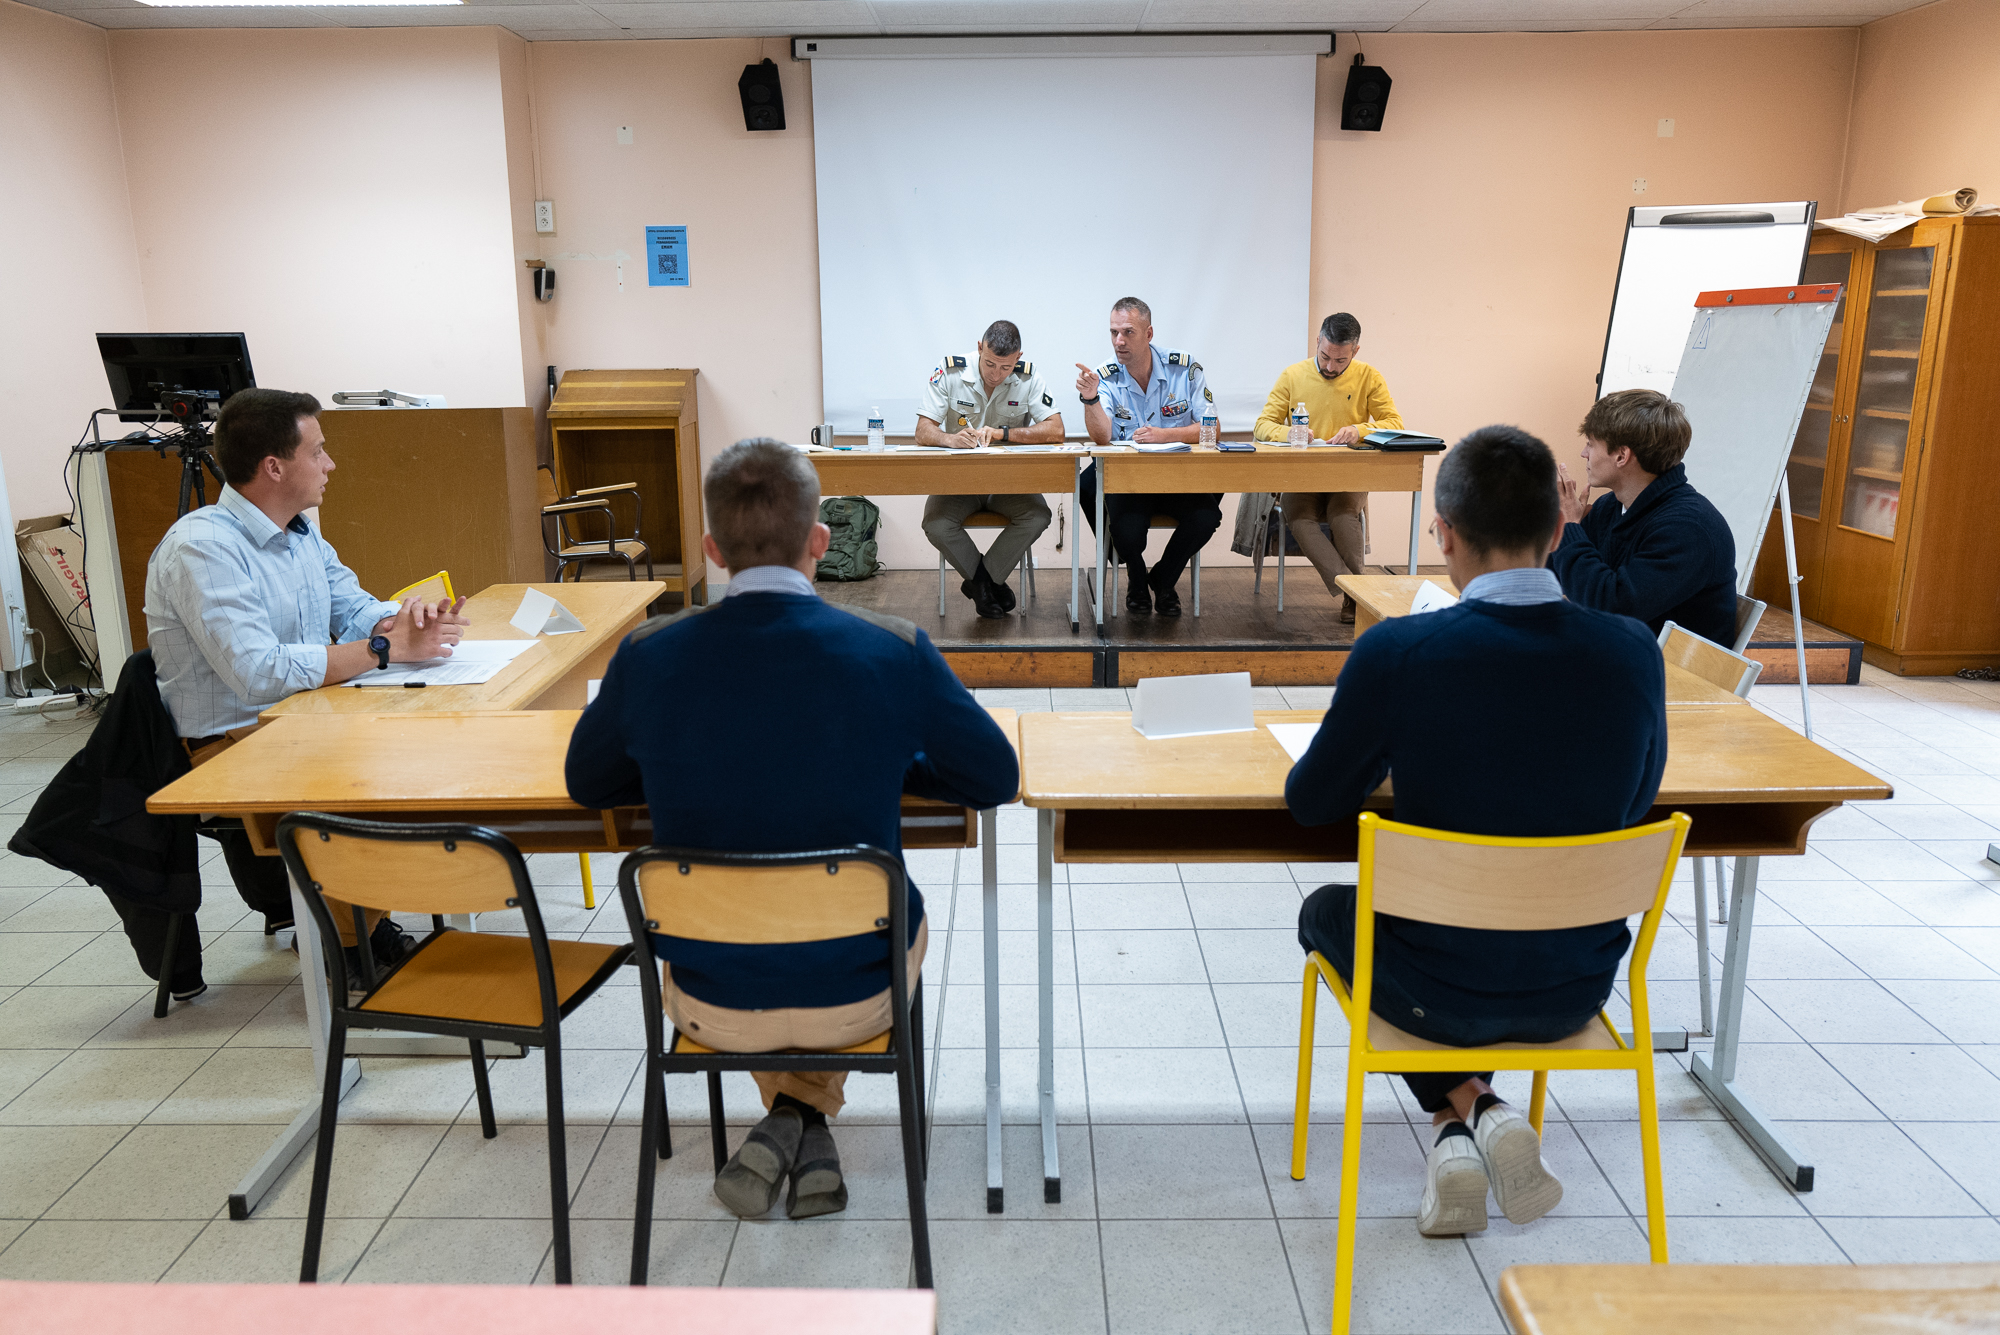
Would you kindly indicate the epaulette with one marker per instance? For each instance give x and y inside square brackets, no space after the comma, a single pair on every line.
[906,631]
[1183,359]
[654,625]
[1109,369]
[1025,370]
[952,363]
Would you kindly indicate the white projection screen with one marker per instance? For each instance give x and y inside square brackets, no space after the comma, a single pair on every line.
[961,182]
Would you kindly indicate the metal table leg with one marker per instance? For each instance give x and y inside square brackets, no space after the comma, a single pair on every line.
[1075,557]
[1416,521]
[1717,1078]
[1097,589]
[1045,980]
[989,896]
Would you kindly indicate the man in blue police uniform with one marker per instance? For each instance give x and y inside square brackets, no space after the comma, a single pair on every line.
[1148,395]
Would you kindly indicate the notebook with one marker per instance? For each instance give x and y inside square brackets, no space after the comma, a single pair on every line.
[1401,440]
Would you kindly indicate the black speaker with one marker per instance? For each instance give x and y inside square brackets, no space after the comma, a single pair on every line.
[763,98]
[1366,99]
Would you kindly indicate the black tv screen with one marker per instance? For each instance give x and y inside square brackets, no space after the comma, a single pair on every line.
[142,368]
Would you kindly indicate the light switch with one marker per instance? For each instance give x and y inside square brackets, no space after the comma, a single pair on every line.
[625,135]
[1666,127]
[545,215]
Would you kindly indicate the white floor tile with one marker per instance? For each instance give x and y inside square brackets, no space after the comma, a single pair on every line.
[681,1252]
[1873,1168]
[1207,1277]
[453,1251]
[1163,1016]
[1178,1172]
[1404,1283]
[1162,1085]
[264,1250]
[103,1087]
[1916,1241]
[997,1276]
[116,1251]
[1727,1240]
[824,1253]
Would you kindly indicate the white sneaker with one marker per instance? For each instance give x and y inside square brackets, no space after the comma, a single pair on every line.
[1454,1188]
[1523,1186]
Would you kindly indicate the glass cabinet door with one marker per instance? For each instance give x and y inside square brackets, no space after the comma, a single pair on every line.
[1880,433]
[1806,472]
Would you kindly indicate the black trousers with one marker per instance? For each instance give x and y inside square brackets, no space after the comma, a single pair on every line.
[260,881]
[1130,519]
[1326,924]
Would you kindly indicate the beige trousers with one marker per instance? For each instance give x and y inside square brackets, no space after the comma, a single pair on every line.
[1341,512]
[827,1028]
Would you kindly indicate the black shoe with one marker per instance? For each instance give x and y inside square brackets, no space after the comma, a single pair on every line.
[1166,601]
[1002,595]
[983,601]
[390,943]
[278,922]
[188,991]
[1138,595]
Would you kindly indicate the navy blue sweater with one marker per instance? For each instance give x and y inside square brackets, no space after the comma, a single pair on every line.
[1669,558]
[1535,721]
[774,722]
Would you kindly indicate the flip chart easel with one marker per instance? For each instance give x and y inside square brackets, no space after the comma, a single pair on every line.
[1743,377]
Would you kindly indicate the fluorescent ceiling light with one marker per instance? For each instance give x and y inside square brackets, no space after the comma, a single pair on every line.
[290,4]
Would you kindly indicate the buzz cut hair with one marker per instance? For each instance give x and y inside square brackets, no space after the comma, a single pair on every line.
[1002,338]
[1133,304]
[1339,328]
[763,499]
[1497,490]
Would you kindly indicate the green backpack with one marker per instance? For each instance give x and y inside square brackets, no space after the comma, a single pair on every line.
[851,554]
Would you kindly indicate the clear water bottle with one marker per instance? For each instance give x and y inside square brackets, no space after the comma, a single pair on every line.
[878,438]
[1210,434]
[1302,432]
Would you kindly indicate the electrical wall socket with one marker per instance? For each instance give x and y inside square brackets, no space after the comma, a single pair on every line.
[625,134]
[1638,185]
[545,215]
[1666,129]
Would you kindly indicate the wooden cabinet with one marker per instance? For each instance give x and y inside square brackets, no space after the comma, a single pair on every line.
[1895,473]
[607,427]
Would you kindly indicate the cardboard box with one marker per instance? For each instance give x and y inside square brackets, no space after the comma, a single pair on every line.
[52,554]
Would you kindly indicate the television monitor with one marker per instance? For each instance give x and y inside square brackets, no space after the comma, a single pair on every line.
[173,377]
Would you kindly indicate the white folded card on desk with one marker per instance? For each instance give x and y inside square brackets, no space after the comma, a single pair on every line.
[1192,706]
[542,615]
[1294,737]
[1430,598]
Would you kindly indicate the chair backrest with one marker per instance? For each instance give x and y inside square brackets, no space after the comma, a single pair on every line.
[432,589]
[546,491]
[1749,611]
[764,899]
[1513,884]
[1708,660]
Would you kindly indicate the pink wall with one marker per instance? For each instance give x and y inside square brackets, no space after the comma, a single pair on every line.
[340,195]
[72,267]
[1926,104]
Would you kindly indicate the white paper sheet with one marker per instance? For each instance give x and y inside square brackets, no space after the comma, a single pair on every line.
[1430,598]
[472,662]
[1294,737]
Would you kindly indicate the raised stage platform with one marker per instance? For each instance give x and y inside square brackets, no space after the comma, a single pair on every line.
[1238,630]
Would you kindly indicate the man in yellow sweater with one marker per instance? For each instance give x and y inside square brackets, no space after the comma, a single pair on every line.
[1345,399]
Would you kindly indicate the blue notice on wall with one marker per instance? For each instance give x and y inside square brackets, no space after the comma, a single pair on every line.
[666,257]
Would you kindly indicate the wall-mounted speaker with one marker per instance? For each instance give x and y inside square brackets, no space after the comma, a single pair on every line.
[763,98]
[1366,98]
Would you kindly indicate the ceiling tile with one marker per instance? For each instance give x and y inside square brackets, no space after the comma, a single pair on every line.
[1525,25]
[744,17]
[1862,10]
[1502,12]
[148,16]
[1007,15]
[1316,15]
[466,16]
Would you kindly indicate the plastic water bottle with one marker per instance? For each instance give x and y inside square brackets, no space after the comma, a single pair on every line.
[1302,432]
[877,437]
[1209,432]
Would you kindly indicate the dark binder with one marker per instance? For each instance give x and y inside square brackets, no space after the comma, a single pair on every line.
[1401,440]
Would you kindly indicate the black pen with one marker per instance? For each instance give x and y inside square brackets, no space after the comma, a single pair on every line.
[409,684]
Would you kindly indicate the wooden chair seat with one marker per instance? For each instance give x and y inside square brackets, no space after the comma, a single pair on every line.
[987,519]
[623,547]
[489,978]
[1386,1037]
[686,1047]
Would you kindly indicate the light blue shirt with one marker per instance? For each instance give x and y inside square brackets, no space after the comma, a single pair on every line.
[1522,587]
[1175,394]
[770,579]
[239,613]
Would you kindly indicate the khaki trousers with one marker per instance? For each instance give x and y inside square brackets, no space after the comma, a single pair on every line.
[826,1028]
[944,525]
[1340,511]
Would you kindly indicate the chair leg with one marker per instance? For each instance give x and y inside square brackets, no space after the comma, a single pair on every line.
[917,1059]
[1111,578]
[558,1157]
[483,1088]
[1701,965]
[164,996]
[1197,583]
[1538,1099]
[1283,536]
[666,1122]
[642,1210]
[329,1114]
[1649,1155]
[1721,893]
[717,1133]
[1028,573]
[589,890]
[940,584]
[1302,1107]
[1350,1191]
[910,1097]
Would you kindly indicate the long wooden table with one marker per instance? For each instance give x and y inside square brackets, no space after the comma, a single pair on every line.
[1751,1299]
[1104,793]
[504,770]
[552,675]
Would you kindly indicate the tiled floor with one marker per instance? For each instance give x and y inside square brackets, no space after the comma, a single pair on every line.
[1871,1028]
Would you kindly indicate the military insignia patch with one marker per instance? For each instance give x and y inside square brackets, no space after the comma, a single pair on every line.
[1048,402]
[1013,403]
[1206,395]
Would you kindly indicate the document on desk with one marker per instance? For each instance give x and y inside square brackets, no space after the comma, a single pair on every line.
[1430,598]
[1294,737]
[1170,447]
[471,662]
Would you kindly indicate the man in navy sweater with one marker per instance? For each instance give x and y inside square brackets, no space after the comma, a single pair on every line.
[1458,705]
[797,726]
[1655,548]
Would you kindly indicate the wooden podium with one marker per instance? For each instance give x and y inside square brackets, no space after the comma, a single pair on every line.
[607,427]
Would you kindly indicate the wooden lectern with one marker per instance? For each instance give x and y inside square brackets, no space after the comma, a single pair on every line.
[607,427]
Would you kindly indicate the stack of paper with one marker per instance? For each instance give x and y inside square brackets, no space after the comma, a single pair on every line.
[472,662]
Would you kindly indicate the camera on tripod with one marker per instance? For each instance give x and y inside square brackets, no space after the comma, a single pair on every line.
[189,407]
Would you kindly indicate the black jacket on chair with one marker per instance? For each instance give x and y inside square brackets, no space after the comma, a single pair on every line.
[92,820]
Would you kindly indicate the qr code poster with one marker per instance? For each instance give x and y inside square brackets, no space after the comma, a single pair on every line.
[666,257]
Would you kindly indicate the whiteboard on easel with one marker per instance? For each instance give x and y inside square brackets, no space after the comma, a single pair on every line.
[1672,254]
[1746,366]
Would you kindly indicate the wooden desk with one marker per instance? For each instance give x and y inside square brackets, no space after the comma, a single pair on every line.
[1751,1299]
[492,1309]
[1104,793]
[550,676]
[504,770]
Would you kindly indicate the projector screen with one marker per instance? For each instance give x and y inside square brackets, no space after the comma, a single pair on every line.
[959,189]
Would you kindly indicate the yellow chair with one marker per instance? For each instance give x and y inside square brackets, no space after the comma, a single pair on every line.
[1501,884]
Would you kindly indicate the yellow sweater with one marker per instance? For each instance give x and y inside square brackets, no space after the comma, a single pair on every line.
[1357,396]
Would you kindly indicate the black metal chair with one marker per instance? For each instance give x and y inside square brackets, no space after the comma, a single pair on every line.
[479,986]
[774,899]
[569,549]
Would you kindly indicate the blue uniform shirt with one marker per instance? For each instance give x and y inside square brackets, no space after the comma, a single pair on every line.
[1175,396]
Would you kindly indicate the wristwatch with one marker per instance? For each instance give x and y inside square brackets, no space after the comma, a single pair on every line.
[1006,433]
[380,644]
[1092,399]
